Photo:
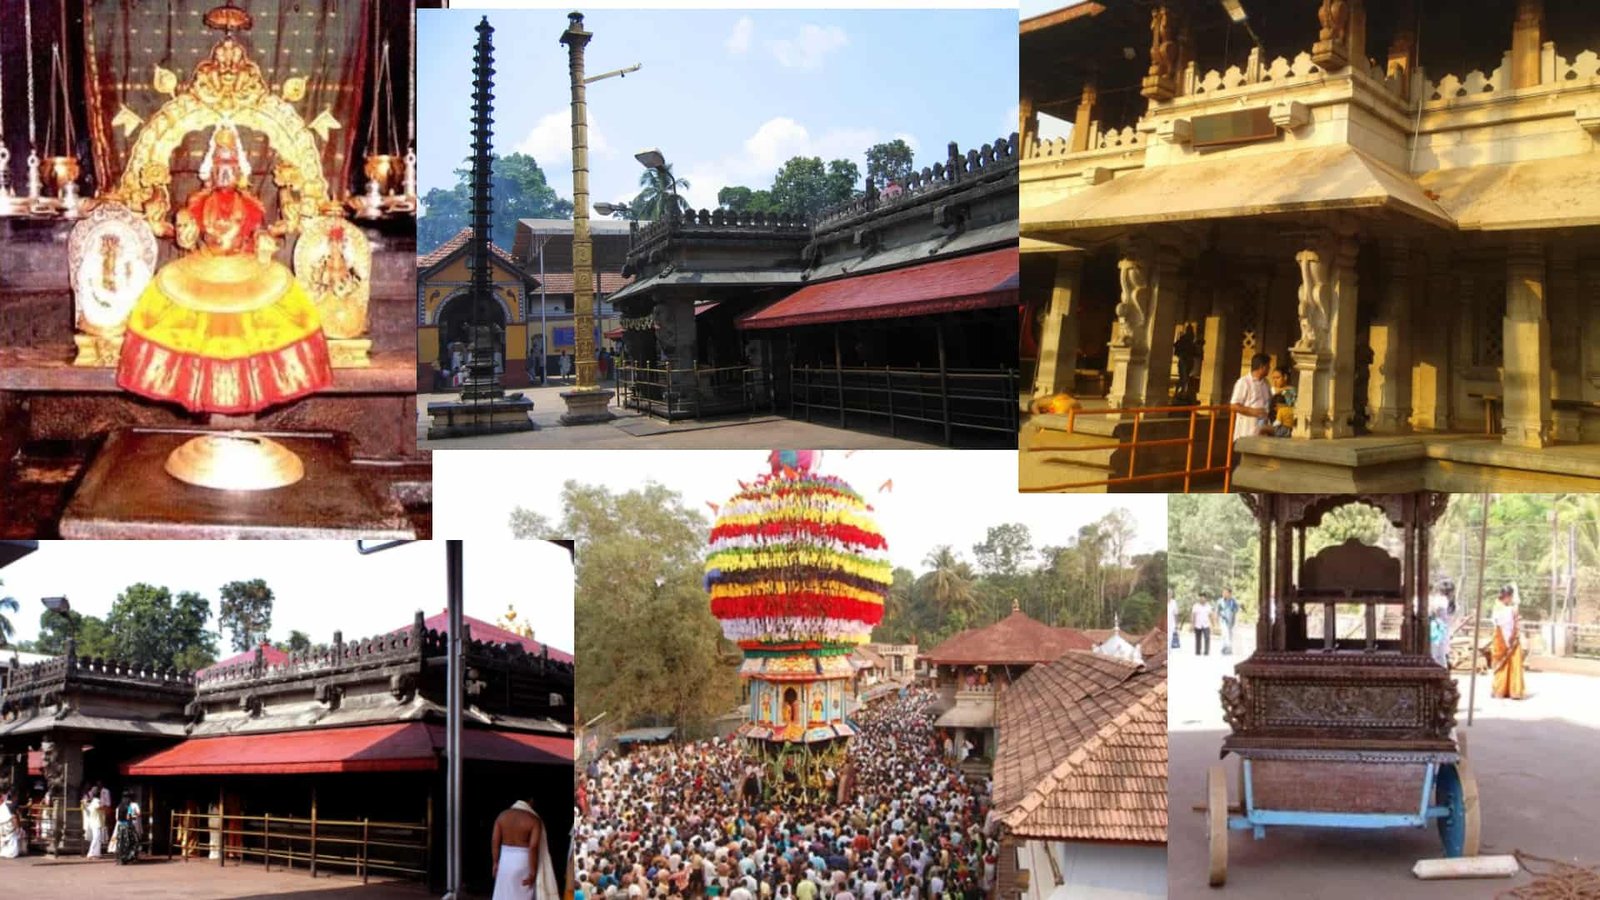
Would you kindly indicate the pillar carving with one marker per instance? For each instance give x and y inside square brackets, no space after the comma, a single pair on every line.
[1083,121]
[1218,331]
[1058,336]
[1324,357]
[1141,345]
[1332,49]
[1566,360]
[1389,380]
[1526,371]
[1431,372]
[1160,83]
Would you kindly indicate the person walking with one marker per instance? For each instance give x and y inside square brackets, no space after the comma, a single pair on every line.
[1200,619]
[1228,613]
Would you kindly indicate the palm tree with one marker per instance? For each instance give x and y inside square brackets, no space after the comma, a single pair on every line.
[950,581]
[659,188]
[7,604]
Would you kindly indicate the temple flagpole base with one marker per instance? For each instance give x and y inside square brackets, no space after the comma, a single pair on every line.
[587,406]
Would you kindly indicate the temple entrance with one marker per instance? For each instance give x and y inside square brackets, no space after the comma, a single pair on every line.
[454,317]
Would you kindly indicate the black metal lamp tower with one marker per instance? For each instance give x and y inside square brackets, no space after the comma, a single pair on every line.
[482,382]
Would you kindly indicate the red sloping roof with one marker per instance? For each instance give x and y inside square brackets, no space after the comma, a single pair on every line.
[1083,751]
[444,250]
[396,747]
[270,655]
[1016,639]
[510,746]
[483,631]
[606,282]
[977,281]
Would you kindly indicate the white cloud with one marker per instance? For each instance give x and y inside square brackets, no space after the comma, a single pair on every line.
[550,141]
[739,40]
[807,49]
[774,143]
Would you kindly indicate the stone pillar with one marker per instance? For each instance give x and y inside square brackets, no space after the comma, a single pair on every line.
[1216,376]
[1141,342]
[1324,357]
[1527,34]
[1058,337]
[1566,358]
[1083,121]
[1431,385]
[1591,323]
[1389,383]
[1526,386]
[1467,321]
[64,780]
[1028,124]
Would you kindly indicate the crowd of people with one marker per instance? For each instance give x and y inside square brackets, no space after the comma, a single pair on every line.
[670,822]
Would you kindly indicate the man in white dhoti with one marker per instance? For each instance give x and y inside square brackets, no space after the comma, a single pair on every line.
[92,822]
[518,845]
[11,842]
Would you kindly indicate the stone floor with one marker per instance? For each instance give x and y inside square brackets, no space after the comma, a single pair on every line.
[1527,756]
[42,878]
[632,430]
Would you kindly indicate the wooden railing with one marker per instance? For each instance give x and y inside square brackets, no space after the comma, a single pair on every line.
[694,392]
[953,399]
[1192,467]
[402,848]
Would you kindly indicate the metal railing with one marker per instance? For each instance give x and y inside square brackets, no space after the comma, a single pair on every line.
[319,843]
[971,399]
[36,816]
[690,393]
[1208,465]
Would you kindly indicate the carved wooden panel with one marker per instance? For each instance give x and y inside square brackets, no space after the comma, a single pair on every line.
[1326,786]
[1354,566]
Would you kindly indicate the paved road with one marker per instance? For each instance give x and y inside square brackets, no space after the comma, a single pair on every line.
[1534,761]
[633,431]
[41,878]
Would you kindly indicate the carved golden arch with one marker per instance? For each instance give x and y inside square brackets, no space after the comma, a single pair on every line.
[227,88]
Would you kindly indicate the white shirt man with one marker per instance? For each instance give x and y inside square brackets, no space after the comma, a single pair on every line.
[1252,397]
[1200,618]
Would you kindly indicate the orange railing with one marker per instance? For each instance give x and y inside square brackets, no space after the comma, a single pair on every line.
[1169,414]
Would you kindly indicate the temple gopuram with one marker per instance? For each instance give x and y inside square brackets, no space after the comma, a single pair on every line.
[894,312]
[207,258]
[1398,203]
[327,761]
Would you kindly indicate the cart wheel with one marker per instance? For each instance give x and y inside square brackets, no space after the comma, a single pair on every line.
[1457,791]
[1217,823]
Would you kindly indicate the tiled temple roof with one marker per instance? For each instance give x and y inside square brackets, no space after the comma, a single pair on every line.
[1016,639]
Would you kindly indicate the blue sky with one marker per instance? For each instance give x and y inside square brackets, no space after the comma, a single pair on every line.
[727,95]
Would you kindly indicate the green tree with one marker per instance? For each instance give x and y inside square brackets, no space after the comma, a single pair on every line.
[298,642]
[948,584]
[1005,550]
[804,186]
[655,652]
[659,190]
[888,162]
[149,627]
[519,191]
[527,525]
[246,612]
[737,198]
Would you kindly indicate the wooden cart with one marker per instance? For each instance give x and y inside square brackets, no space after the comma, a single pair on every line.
[1337,732]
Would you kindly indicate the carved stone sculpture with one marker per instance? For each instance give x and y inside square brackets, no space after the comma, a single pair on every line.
[1335,18]
[1135,296]
[1313,308]
[1163,44]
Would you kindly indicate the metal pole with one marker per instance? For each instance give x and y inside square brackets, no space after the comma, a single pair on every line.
[1477,613]
[453,673]
[544,328]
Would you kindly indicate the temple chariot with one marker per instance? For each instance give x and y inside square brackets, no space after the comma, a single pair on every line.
[797,574]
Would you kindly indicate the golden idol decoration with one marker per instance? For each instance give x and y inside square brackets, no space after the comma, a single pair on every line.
[227,88]
[235,461]
[333,260]
[111,257]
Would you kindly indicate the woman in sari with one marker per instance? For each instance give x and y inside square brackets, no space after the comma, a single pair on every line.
[1507,652]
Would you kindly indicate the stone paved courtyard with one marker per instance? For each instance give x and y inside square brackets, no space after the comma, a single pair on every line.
[42,878]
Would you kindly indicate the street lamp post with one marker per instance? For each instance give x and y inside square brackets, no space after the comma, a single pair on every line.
[587,402]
